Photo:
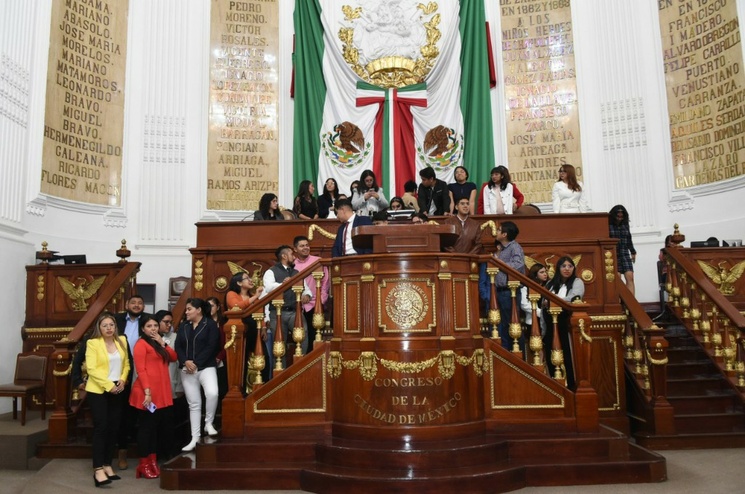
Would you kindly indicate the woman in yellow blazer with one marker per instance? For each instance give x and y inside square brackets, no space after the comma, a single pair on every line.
[107,361]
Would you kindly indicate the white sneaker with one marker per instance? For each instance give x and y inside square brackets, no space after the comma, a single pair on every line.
[191,445]
[210,430]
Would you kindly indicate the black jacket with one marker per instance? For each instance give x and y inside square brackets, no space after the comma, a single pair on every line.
[200,344]
[437,194]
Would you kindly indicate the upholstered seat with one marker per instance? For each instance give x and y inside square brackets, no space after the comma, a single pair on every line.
[30,379]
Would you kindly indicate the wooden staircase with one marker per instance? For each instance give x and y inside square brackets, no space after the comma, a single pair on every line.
[297,458]
[708,411]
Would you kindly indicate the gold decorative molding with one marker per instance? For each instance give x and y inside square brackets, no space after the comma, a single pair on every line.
[63,373]
[617,405]
[492,227]
[345,305]
[40,287]
[610,269]
[519,371]
[611,318]
[287,382]
[315,228]
[720,275]
[221,283]
[61,329]
[198,275]
[445,360]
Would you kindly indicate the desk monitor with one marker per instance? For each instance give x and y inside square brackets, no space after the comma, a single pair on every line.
[76,259]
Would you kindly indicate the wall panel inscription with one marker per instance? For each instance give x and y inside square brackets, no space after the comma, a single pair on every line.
[540,93]
[705,89]
[243,151]
[84,117]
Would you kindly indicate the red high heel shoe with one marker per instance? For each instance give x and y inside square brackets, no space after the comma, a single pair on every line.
[153,459]
[144,469]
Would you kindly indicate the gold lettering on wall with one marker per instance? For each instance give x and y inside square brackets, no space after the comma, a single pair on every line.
[705,89]
[84,115]
[540,93]
[243,151]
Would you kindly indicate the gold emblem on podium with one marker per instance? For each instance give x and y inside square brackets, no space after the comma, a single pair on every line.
[406,305]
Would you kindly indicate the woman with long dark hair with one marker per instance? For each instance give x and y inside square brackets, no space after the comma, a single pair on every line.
[497,195]
[151,393]
[107,362]
[305,205]
[197,344]
[242,292]
[567,286]
[368,198]
[618,226]
[539,274]
[567,195]
[268,208]
[328,198]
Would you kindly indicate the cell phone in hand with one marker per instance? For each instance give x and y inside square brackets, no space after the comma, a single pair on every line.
[151,407]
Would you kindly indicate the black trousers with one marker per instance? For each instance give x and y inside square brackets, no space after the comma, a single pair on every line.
[149,425]
[106,409]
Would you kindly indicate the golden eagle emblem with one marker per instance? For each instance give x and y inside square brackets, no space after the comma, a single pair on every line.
[720,275]
[255,277]
[80,293]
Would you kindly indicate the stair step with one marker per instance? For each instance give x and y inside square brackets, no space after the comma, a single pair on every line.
[710,422]
[723,401]
[711,440]
[685,354]
[447,454]
[691,369]
[696,385]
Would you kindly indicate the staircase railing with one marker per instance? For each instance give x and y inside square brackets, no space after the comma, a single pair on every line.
[646,361]
[235,336]
[712,319]
[63,417]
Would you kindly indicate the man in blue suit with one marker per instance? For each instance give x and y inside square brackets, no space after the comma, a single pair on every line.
[349,221]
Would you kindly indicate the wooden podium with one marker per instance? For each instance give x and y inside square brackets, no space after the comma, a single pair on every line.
[404,237]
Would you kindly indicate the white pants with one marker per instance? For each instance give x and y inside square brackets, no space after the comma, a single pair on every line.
[207,378]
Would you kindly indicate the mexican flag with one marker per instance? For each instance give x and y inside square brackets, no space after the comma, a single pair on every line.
[392,86]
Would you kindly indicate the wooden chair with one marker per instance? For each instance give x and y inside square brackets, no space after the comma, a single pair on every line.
[30,379]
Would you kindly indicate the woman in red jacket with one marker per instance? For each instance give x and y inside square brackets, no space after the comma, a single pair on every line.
[151,392]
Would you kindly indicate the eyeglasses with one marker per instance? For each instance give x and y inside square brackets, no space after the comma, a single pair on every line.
[562,171]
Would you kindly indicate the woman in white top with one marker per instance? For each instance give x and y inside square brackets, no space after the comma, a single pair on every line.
[538,274]
[496,196]
[368,198]
[567,194]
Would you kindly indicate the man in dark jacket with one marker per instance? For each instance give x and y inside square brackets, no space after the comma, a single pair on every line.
[349,221]
[434,197]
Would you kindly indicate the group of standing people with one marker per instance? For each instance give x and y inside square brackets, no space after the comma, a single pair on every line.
[131,361]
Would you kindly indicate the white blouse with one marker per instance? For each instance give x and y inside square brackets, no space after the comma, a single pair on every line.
[489,199]
[569,201]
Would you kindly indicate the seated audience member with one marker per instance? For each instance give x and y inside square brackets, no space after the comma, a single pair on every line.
[369,197]
[511,253]
[151,393]
[538,274]
[569,287]
[327,199]
[380,218]
[469,231]
[433,195]
[305,205]
[461,189]
[396,204]
[343,245]
[353,187]
[409,198]
[419,218]
[268,208]
[497,194]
